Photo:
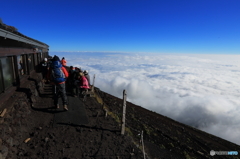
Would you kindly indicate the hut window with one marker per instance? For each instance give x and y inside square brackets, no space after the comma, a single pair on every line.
[20,65]
[30,62]
[7,71]
[1,78]
[35,59]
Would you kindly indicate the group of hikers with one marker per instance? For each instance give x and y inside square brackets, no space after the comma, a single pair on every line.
[73,79]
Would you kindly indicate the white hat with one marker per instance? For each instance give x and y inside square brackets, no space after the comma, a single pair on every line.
[85,71]
[45,59]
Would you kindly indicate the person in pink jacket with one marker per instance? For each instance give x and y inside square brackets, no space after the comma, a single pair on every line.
[83,81]
[83,84]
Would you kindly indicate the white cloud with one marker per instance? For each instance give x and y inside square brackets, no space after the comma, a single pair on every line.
[199,90]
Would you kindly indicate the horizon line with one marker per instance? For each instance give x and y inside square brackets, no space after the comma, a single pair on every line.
[128,52]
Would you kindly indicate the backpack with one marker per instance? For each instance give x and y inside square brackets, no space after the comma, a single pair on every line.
[57,73]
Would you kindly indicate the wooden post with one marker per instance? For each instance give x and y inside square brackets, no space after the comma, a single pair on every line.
[124,112]
[92,89]
[142,145]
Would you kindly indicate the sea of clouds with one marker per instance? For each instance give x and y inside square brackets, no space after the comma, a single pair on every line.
[199,90]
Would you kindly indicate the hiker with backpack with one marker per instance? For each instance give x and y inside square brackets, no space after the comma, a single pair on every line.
[57,75]
[71,80]
[76,78]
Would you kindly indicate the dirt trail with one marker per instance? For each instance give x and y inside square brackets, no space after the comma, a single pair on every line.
[99,138]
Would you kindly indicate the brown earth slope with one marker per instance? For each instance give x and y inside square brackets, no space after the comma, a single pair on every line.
[100,137]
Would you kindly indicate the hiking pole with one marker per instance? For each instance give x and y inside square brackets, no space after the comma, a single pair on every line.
[92,89]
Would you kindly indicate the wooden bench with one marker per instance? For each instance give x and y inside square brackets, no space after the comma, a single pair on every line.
[90,91]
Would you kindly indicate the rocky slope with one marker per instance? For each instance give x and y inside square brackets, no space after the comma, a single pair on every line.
[166,138]
[100,138]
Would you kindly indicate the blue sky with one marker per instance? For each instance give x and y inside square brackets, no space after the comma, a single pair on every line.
[156,26]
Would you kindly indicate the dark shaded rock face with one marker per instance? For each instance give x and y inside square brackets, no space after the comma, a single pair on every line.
[27,132]
[164,137]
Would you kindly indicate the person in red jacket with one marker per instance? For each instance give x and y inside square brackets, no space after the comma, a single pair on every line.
[57,74]
[64,62]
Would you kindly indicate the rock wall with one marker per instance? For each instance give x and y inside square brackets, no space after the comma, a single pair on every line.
[14,129]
